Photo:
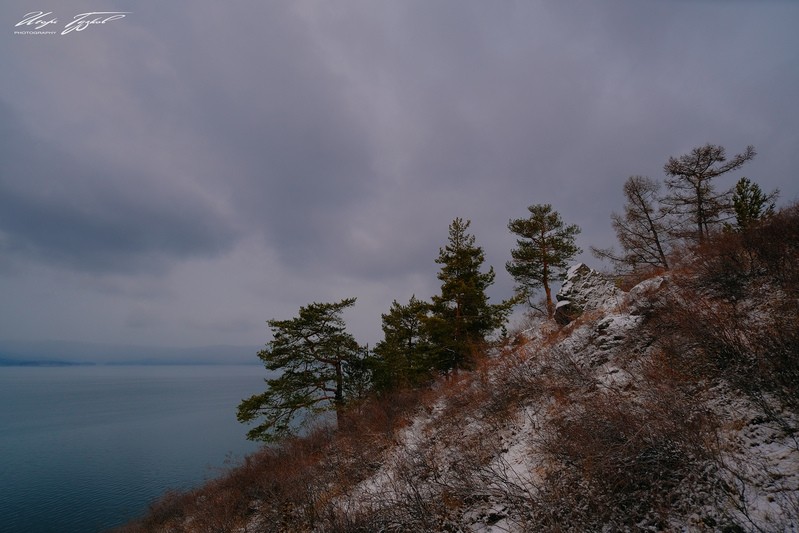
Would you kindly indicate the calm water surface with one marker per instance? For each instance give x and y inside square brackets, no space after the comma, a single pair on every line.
[83,449]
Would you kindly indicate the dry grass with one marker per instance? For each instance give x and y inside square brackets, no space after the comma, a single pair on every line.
[736,314]
[639,454]
[616,459]
[291,486]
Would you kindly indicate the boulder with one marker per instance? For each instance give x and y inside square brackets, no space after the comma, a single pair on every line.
[641,297]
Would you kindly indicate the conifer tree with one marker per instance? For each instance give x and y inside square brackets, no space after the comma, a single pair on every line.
[642,230]
[544,249]
[402,358]
[693,195]
[461,317]
[750,203]
[358,376]
[311,352]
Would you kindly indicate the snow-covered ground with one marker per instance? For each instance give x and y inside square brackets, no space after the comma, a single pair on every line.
[480,458]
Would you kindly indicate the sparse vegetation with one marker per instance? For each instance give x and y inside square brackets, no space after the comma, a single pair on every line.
[642,231]
[629,420]
[693,196]
[736,309]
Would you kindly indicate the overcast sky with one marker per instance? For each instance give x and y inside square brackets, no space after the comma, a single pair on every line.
[185,173]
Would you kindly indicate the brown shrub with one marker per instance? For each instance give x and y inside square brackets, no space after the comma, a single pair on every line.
[291,486]
[614,458]
[617,459]
[734,315]
[629,280]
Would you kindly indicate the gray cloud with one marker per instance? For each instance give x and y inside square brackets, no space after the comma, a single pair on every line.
[243,161]
[67,210]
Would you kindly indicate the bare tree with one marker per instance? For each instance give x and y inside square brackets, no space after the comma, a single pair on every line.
[642,230]
[692,193]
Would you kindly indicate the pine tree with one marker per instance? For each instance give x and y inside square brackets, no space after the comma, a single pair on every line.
[311,353]
[402,358]
[543,251]
[358,377]
[750,203]
[693,196]
[642,230]
[461,317]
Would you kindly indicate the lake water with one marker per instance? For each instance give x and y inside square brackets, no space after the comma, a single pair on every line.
[86,448]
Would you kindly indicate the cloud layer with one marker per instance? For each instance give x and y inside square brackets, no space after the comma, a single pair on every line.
[183,174]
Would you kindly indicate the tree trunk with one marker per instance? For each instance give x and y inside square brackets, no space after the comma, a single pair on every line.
[548,291]
[655,236]
[339,398]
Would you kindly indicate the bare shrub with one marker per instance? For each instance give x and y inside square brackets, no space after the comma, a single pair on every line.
[638,453]
[629,280]
[735,315]
[291,486]
[618,459]
[514,379]
[775,244]
[733,264]
[723,267]
[164,514]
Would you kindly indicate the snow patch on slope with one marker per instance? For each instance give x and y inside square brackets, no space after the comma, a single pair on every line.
[759,459]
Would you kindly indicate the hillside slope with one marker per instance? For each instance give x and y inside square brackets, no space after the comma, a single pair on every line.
[588,427]
[668,407]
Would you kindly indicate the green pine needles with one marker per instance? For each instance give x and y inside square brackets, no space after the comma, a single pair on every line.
[461,317]
[543,251]
[314,355]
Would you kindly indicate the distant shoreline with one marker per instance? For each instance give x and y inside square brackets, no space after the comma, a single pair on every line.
[11,362]
[70,353]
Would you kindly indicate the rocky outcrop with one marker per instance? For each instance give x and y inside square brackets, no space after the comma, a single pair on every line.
[585,289]
[641,297]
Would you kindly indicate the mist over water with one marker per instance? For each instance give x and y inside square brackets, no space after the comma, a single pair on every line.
[87,448]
